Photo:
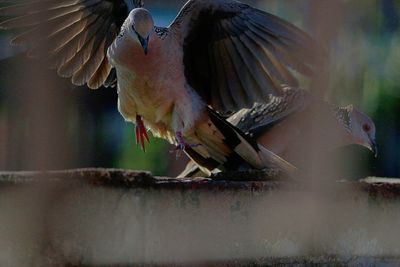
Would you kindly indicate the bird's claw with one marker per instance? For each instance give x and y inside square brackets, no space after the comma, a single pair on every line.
[181,144]
[141,133]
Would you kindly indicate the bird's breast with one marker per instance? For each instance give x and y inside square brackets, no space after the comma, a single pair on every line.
[141,95]
[153,85]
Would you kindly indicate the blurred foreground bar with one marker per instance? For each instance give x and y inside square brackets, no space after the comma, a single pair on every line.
[98,217]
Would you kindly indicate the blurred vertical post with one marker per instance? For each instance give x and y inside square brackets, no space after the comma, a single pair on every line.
[34,108]
[323,24]
[36,116]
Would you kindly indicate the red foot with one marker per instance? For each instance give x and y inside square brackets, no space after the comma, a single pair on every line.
[141,133]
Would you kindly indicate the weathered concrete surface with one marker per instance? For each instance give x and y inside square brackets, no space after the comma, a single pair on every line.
[120,218]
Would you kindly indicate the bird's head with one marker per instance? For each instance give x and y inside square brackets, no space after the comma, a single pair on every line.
[362,129]
[141,25]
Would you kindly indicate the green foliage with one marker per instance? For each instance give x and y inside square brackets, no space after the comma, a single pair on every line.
[132,157]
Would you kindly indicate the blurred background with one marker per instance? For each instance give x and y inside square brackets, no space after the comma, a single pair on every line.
[47,123]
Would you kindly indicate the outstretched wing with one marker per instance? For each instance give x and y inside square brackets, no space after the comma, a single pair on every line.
[235,55]
[73,34]
[262,116]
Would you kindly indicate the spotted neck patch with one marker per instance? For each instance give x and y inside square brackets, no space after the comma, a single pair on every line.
[161,32]
[122,31]
[342,114]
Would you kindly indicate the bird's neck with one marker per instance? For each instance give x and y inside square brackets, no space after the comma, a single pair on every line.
[129,54]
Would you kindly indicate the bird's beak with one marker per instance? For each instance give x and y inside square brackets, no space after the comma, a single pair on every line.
[373,147]
[145,44]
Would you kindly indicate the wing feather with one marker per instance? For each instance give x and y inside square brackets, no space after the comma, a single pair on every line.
[293,56]
[223,79]
[243,76]
[46,16]
[100,76]
[235,55]
[72,34]
[254,62]
[262,116]
[89,69]
[34,7]
[232,77]
[79,59]
[54,30]
[246,77]
[68,50]
[264,55]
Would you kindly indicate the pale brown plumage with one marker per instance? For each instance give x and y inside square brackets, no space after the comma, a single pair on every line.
[221,54]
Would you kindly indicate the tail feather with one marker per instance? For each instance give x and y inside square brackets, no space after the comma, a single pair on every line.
[192,169]
[273,160]
[224,146]
[237,142]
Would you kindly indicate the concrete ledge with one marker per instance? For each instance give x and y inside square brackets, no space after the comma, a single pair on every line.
[251,180]
[100,217]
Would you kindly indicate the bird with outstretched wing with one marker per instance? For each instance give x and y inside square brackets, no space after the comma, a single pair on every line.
[282,125]
[216,56]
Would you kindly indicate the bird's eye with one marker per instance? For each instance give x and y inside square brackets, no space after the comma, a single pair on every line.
[366,128]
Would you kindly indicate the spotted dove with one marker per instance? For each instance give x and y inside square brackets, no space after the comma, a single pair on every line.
[216,56]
